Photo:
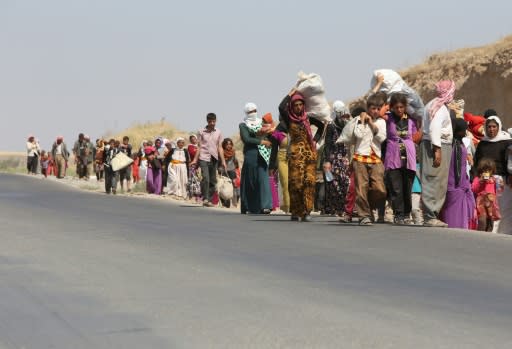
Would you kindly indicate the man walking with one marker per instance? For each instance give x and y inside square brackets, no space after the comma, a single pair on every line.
[208,155]
[60,155]
[126,173]
[436,148]
[80,151]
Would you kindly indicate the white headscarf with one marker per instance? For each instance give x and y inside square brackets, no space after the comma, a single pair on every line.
[501,136]
[251,118]
[340,107]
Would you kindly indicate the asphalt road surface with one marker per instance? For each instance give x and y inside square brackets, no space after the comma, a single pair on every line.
[87,270]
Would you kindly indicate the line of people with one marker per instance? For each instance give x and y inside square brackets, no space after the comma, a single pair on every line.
[437,170]
[443,168]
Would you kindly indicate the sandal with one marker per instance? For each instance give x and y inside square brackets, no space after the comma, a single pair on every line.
[365,221]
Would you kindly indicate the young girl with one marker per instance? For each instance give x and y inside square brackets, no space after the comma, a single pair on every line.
[400,159]
[135,168]
[45,162]
[485,188]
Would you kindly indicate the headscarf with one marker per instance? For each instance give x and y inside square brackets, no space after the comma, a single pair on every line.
[501,136]
[458,125]
[339,107]
[251,118]
[457,105]
[149,150]
[302,118]
[445,90]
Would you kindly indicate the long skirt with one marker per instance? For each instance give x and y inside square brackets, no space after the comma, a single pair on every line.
[177,180]
[255,194]
[154,181]
[273,182]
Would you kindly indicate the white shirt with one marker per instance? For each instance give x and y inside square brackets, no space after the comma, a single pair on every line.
[438,130]
[366,141]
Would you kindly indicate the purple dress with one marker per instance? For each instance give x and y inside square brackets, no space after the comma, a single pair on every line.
[459,206]
[154,181]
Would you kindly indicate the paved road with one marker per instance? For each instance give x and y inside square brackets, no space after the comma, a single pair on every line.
[84,270]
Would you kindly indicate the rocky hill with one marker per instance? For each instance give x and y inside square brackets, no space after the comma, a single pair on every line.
[483,76]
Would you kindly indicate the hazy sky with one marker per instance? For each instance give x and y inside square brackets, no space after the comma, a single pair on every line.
[69,66]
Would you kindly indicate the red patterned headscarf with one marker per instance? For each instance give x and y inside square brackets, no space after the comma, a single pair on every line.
[445,90]
[302,118]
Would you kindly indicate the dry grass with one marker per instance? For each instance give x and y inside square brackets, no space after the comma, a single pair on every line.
[13,162]
[149,131]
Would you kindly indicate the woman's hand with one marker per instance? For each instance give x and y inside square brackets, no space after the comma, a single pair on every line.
[266,143]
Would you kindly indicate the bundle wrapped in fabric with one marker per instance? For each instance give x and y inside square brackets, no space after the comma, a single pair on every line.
[121,161]
[312,88]
[393,83]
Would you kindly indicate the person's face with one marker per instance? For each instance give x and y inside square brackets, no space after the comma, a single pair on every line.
[112,144]
[211,123]
[399,109]
[374,111]
[298,107]
[80,138]
[180,144]
[342,117]
[327,167]
[193,140]
[125,141]
[59,141]
[158,143]
[229,145]
[491,129]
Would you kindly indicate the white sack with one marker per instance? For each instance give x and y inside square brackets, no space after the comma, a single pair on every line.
[312,88]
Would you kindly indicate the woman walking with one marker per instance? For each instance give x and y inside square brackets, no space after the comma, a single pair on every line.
[255,195]
[337,154]
[302,155]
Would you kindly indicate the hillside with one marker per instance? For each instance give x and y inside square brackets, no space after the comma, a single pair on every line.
[483,76]
[149,131]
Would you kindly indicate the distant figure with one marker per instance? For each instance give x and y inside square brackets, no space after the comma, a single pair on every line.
[208,156]
[33,152]
[81,153]
[111,151]
[60,155]
[178,170]
[45,163]
[125,174]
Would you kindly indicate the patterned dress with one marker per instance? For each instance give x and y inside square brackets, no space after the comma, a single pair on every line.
[301,171]
[338,155]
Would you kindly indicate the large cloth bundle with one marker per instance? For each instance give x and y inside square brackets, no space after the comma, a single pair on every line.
[312,88]
[393,82]
[120,161]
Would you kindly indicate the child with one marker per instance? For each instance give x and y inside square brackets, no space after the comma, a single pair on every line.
[267,125]
[135,168]
[236,184]
[330,189]
[485,188]
[45,162]
[98,159]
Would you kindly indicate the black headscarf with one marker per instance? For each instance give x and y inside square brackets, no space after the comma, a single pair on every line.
[459,127]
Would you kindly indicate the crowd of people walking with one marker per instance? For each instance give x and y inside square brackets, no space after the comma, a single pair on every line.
[433,165]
